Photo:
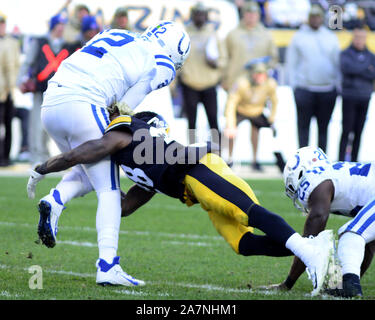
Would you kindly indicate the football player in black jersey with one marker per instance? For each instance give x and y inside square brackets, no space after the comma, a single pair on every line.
[140,145]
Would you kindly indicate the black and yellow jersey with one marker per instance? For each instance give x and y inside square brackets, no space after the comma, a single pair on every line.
[148,159]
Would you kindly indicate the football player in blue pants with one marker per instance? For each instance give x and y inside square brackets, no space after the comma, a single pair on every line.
[140,145]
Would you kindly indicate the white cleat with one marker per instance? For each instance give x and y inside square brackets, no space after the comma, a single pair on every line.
[112,274]
[49,210]
[334,274]
[323,255]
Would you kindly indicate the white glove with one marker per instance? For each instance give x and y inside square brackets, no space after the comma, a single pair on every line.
[35,177]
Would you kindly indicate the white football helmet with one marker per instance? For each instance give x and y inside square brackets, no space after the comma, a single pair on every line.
[304,159]
[172,38]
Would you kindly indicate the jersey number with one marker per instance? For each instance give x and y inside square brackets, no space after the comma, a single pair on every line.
[100,51]
[358,169]
[139,177]
[302,189]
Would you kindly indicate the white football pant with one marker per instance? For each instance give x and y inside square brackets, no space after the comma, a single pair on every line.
[69,125]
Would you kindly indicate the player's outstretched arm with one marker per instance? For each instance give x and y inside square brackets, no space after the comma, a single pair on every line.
[88,152]
[319,204]
[135,198]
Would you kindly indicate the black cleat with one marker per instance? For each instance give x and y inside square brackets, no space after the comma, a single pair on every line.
[45,232]
[351,287]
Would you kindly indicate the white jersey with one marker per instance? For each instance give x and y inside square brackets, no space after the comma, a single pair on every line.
[353,182]
[116,65]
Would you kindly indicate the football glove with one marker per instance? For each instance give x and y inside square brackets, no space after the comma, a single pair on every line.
[34,178]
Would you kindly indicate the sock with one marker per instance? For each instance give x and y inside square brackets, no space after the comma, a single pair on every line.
[351,250]
[351,277]
[74,184]
[56,195]
[108,218]
[252,244]
[270,223]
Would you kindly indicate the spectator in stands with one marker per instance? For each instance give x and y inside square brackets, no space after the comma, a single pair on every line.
[248,41]
[120,19]
[9,64]
[250,99]
[89,28]
[42,60]
[370,17]
[312,63]
[73,28]
[358,70]
[202,70]
[352,15]
[288,13]
[262,6]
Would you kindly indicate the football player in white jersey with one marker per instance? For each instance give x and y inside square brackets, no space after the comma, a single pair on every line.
[320,187]
[115,67]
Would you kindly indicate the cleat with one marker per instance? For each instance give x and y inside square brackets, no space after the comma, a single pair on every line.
[113,275]
[49,213]
[351,286]
[317,269]
[334,274]
[334,292]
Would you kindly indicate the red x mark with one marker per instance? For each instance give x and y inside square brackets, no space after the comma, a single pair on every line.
[53,62]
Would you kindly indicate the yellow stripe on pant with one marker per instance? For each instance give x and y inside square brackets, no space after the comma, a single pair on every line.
[225,196]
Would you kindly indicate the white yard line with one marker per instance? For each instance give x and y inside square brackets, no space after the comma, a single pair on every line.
[78,243]
[178,243]
[190,243]
[206,287]
[141,293]
[130,232]
[7,294]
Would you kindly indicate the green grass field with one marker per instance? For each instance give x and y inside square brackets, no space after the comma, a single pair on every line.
[173,248]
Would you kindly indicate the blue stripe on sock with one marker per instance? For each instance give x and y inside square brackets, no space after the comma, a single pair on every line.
[57,197]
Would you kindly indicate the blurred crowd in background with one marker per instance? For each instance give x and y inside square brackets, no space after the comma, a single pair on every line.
[246,64]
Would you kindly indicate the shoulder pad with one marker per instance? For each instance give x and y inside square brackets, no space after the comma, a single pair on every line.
[165,72]
[120,121]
